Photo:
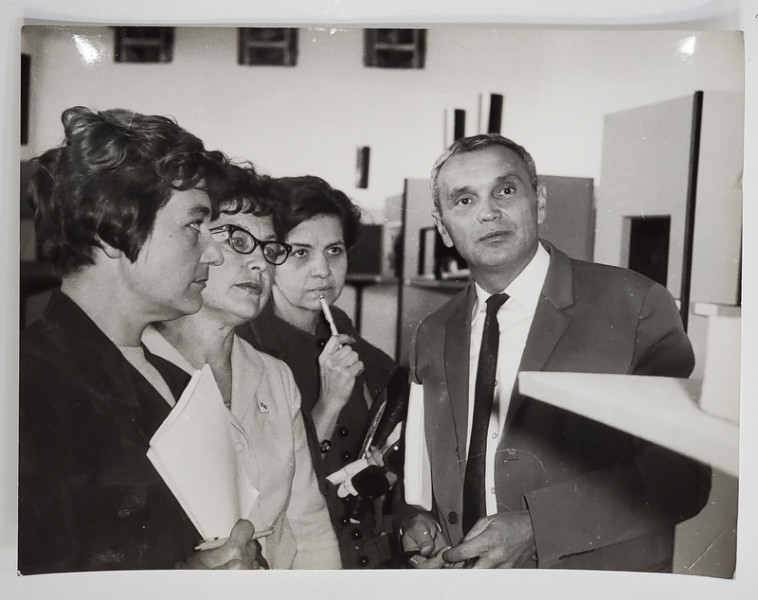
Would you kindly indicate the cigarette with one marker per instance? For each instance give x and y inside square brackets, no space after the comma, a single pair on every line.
[263,533]
[328,315]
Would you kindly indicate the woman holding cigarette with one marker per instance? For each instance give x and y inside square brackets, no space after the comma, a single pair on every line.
[263,400]
[340,375]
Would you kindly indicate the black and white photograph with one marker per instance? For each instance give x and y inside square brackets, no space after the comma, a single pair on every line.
[382,301]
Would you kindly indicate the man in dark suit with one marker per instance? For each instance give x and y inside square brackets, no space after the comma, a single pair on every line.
[516,482]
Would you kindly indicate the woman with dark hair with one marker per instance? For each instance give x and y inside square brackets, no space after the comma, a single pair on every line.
[260,393]
[340,375]
[121,212]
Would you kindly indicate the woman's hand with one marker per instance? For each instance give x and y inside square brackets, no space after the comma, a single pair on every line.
[239,552]
[339,366]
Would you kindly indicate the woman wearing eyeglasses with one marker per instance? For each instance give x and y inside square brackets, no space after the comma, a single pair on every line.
[341,375]
[259,390]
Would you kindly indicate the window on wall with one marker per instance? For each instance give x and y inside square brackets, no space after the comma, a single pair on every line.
[267,46]
[395,48]
[144,44]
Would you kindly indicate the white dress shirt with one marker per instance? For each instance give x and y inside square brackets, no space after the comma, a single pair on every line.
[514,321]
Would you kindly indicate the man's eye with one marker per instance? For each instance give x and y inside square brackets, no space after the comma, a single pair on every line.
[508,190]
[300,253]
[335,250]
[464,200]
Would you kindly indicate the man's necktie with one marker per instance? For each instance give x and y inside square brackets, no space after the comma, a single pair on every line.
[175,377]
[474,505]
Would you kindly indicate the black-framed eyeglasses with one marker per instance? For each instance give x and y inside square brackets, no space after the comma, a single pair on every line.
[243,242]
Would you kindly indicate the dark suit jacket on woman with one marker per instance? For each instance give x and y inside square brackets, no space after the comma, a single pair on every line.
[598,498]
[89,498]
[360,546]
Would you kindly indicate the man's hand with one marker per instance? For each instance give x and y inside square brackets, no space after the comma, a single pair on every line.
[239,552]
[504,540]
[424,542]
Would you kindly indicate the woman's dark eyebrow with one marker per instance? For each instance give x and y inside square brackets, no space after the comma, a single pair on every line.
[271,237]
[305,245]
[199,210]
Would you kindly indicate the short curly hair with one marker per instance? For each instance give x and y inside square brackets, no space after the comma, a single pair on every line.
[115,170]
[299,199]
[242,190]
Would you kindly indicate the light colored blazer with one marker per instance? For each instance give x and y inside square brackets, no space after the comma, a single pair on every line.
[271,441]
[598,498]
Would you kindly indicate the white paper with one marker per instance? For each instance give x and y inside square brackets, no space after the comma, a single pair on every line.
[418,475]
[662,410]
[194,452]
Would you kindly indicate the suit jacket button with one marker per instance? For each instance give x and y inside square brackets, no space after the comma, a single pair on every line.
[452,517]
[343,431]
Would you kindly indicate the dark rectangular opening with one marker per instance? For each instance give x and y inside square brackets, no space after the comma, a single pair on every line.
[267,46]
[366,255]
[459,124]
[649,247]
[496,113]
[394,48]
[144,44]
[26,62]
[361,163]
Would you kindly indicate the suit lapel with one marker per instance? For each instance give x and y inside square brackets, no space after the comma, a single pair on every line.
[457,341]
[550,320]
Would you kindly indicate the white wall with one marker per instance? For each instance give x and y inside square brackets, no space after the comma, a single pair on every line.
[558,85]
[646,166]
[646,163]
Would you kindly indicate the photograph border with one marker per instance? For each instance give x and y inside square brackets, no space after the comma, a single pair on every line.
[671,14]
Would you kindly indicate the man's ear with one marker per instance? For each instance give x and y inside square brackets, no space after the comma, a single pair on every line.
[541,203]
[109,250]
[446,239]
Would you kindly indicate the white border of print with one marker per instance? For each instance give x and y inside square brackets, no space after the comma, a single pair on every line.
[631,14]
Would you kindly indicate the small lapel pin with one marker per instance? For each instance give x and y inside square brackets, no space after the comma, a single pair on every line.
[262,407]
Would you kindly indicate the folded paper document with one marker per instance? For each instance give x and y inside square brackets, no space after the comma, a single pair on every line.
[418,476]
[194,451]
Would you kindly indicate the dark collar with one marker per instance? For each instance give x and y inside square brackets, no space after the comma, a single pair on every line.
[67,321]
[277,337]
[91,353]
